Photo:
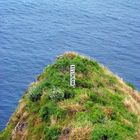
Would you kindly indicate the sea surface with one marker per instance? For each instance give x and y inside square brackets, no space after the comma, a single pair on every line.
[34,32]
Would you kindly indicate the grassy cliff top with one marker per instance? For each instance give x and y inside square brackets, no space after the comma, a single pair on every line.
[101,106]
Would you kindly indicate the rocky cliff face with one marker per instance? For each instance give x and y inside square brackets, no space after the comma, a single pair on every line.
[100,107]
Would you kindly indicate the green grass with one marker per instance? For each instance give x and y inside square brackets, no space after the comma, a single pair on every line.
[96,104]
[52,133]
[131,85]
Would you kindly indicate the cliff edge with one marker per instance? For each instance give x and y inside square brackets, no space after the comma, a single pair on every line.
[101,106]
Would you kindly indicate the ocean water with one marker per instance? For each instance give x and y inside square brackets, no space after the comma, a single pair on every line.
[33,33]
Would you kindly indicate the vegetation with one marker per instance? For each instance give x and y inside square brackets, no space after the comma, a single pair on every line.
[52,133]
[100,107]
[131,85]
[56,94]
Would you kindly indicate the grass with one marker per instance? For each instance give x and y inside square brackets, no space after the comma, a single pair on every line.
[100,107]
[131,85]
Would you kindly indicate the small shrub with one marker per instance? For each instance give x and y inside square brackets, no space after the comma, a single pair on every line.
[51,109]
[83,83]
[131,117]
[52,133]
[97,116]
[56,94]
[131,85]
[62,64]
[35,91]
[115,100]
[112,131]
[56,111]
[95,66]
[34,97]
[100,84]
[82,118]
[102,132]
[94,97]
[112,80]
[98,98]
[81,67]
[89,104]
[44,113]
[69,94]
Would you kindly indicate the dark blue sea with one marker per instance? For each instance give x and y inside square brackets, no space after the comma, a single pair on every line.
[34,32]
